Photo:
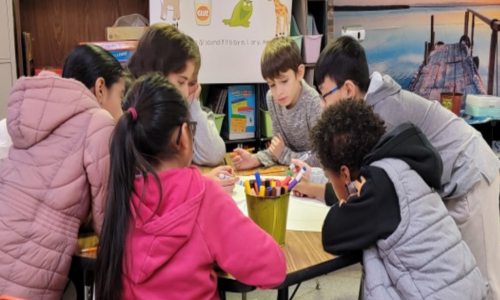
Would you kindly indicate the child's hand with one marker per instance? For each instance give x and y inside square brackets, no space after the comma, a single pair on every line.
[227,184]
[298,166]
[358,185]
[302,188]
[277,147]
[195,95]
[243,160]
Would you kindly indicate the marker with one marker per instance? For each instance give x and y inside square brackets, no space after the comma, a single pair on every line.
[269,191]
[262,191]
[248,190]
[286,181]
[273,183]
[284,190]
[224,177]
[297,179]
[304,157]
[258,180]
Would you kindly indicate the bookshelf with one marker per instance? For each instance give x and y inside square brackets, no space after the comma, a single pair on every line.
[56,26]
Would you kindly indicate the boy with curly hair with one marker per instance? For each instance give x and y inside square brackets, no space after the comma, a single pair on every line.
[388,208]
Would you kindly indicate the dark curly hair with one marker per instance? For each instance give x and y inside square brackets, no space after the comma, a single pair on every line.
[345,134]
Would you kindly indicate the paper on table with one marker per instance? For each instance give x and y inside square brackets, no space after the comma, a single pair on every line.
[304,214]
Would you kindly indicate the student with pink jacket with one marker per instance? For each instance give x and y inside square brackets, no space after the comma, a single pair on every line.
[56,169]
[166,225]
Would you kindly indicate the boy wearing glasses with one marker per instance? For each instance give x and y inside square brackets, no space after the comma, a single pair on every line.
[293,105]
[470,181]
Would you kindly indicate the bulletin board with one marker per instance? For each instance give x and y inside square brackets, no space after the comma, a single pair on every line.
[231,34]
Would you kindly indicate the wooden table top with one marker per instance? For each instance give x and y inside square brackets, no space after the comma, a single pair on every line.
[277,170]
[302,250]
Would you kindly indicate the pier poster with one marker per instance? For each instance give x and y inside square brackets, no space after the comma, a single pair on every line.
[396,33]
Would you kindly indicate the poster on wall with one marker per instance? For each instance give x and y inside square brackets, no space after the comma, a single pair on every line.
[398,42]
[231,34]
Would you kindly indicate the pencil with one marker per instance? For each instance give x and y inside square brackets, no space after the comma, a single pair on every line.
[250,150]
[269,171]
[87,250]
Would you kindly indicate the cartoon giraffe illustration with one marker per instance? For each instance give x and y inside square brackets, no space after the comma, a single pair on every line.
[281,12]
[175,4]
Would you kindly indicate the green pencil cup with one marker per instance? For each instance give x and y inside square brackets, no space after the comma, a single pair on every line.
[270,214]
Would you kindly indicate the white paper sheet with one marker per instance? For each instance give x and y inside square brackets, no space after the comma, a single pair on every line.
[304,214]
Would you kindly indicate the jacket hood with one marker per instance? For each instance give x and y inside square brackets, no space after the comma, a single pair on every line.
[161,228]
[386,87]
[39,105]
[407,143]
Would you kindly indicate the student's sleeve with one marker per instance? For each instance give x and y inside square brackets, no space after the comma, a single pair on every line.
[361,221]
[96,162]
[238,245]
[209,147]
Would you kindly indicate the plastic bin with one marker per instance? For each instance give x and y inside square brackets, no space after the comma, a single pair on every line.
[298,40]
[266,124]
[312,47]
[219,118]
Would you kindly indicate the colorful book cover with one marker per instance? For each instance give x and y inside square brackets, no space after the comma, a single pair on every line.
[241,112]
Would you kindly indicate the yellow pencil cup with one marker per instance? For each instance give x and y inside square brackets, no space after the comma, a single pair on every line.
[270,214]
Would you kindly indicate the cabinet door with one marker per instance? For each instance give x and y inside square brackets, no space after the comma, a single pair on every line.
[5,31]
[6,82]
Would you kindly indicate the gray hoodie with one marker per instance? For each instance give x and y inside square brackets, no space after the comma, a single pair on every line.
[465,154]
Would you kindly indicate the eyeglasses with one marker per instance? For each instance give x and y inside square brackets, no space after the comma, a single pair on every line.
[330,92]
[192,127]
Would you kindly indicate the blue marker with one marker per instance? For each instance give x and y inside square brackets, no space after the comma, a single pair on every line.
[257,179]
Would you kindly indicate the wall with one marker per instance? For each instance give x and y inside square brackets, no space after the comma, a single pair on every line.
[57,26]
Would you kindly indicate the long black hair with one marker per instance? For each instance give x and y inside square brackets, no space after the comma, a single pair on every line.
[139,143]
[86,63]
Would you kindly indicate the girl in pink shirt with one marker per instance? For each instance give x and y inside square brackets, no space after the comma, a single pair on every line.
[166,225]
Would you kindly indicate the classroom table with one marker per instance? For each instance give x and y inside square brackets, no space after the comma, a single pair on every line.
[305,258]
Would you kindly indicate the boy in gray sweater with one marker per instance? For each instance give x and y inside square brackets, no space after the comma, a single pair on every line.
[470,180]
[293,105]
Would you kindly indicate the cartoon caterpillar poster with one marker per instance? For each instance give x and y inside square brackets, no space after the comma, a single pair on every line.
[242,13]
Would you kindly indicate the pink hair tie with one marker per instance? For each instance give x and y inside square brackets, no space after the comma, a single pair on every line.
[133,112]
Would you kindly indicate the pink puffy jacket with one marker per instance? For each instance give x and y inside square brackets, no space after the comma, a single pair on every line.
[55,172]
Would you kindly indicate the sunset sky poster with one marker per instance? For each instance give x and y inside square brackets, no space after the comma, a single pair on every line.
[395,39]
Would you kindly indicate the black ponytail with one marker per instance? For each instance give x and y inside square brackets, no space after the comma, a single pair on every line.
[139,143]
